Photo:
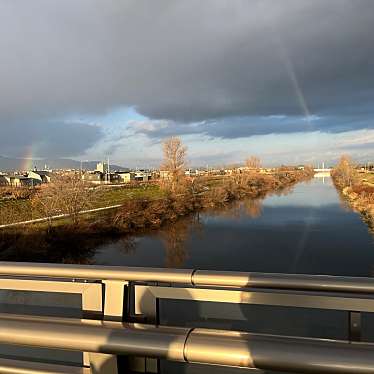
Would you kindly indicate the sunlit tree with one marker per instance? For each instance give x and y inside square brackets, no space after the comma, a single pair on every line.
[65,195]
[253,162]
[344,172]
[174,162]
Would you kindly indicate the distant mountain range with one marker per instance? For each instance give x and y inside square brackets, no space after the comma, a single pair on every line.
[22,164]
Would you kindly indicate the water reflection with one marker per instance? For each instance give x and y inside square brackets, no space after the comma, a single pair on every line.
[303,230]
[30,245]
[237,210]
[309,229]
[174,239]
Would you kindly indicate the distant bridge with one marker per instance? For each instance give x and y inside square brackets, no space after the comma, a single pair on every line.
[322,173]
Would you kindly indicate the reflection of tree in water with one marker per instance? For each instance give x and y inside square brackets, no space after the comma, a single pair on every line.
[59,245]
[253,207]
[344,203]
[368,219]
[175,237]
[239,209]
[284,191]
[127,245]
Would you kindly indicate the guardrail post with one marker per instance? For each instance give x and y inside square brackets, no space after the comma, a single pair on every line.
[115,300]
[354,326]
[101,363]
[114,310]
[92,302]
[92,307]
[146,306]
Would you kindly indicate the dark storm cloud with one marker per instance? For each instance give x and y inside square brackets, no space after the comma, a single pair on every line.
[242,127]
[47,138]
[184,61]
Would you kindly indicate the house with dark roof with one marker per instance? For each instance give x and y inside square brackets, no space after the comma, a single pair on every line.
[42,176]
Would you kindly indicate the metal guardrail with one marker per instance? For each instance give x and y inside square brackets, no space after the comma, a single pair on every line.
[112,295]
[191,277]
[217,347]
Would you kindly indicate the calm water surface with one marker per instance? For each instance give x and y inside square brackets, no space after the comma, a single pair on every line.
[307,230]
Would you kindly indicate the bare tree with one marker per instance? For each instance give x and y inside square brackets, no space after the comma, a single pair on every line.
[45,202]
[77,197]
[174,162]
[65,195]
[253,162]
[345,172]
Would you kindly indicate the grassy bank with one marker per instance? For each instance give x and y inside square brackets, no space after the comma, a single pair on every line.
[357,189]
[142,210]
[18,209]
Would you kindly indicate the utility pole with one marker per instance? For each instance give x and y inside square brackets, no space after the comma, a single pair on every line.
[108,172]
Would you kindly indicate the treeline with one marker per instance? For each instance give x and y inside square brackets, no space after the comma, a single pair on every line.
[194,195]
[185,195]
[179,195]
[72,239]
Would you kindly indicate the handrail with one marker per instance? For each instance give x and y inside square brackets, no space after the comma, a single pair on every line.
[96,272]
[192,277]
[218,347]
[115,293]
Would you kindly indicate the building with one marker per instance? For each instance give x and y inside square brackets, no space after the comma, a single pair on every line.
[200,172]
[102,167]
[95,177]
[125,177]
[3,180]
[17,180]
[142,176]
[41,176]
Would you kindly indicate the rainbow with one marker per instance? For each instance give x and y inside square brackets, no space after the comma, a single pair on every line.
[27,159]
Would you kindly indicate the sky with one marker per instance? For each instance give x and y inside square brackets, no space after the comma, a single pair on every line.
[289,81]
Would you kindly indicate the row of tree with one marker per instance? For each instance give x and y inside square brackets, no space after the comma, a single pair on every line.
[175,164]
[70,195]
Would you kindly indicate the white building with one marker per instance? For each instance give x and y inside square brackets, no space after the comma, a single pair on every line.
[102,167]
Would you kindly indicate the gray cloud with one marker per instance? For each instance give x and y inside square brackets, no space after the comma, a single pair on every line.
[242,127]
[362,146]
[43,139]
[184,61]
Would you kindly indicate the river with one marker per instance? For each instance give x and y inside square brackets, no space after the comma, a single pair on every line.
[307,230]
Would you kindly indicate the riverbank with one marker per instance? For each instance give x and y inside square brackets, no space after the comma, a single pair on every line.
[19,208]
[64,242]
[359,193]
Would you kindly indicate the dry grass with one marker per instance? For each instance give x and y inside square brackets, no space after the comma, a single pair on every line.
[359,194]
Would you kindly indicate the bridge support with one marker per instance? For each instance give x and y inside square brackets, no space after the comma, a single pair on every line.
[354,326]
